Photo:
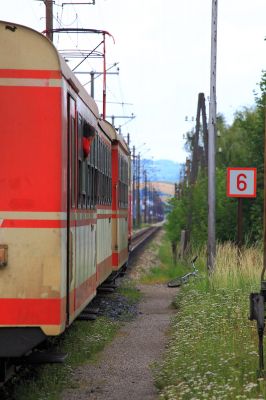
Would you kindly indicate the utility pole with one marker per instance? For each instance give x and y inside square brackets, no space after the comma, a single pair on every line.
[145,195]
[212,145]
[134,187]
[138,192]
[150,192]
[113,117]
[92,83]
[49,18]
[92,74]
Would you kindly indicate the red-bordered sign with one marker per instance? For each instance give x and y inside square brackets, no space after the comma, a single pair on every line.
[241,182]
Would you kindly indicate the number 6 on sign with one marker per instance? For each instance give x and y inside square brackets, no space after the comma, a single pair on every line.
[241,182]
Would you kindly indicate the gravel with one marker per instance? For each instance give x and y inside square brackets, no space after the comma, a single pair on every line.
[115,306]
[123,368]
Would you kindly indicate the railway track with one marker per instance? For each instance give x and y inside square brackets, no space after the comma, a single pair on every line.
[142,236]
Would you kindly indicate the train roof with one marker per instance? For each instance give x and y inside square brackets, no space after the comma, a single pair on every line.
[112,133]
[33,51]
[108,129]
[123,143]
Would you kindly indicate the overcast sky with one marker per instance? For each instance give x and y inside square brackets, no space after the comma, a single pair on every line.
[163,50]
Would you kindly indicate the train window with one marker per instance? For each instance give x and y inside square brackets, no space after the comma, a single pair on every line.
[80,177]
[99,198]
[89,188]
[73,164]
[105,159]
[101,156]
[123,182]
[97,153]
[90,158]
[82,184]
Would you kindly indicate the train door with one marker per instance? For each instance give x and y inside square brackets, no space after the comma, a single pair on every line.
[71,207]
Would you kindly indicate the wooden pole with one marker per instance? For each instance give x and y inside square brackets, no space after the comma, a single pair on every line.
[49,18]
[239,227]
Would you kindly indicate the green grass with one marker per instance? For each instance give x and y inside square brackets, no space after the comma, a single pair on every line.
[166,270]
[213,349]
[83,341]
[129,290]
[212,353]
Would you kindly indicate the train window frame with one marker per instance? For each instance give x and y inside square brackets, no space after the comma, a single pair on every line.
[73,161]
[79,161]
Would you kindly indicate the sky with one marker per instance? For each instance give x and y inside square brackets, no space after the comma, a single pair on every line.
[163,51]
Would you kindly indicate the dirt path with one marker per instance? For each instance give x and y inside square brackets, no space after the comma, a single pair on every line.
[123,370]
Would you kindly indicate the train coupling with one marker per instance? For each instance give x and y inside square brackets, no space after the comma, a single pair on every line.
[257,313]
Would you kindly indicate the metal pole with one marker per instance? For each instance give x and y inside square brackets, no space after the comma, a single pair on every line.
[239,228]
[104,77]
[138,191]
[92,83]
[134,188]
[145,196]
[49,18]
[212,144]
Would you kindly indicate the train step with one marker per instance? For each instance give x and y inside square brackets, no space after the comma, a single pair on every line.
[109,285]
[42,357]
[91,310]
[87,317]
[103,289]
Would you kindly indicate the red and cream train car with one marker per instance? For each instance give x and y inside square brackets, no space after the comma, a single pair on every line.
[121,215]
[64,179]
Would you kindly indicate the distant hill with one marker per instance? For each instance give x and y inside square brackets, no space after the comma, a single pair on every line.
[165,190]
[162,170]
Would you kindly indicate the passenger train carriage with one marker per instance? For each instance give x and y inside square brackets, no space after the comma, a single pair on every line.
[64,205]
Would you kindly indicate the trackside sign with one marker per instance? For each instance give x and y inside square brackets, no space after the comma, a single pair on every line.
[241,182]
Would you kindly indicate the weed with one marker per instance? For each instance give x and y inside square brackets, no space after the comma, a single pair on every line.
[166,269]
[129,290]
[212,353]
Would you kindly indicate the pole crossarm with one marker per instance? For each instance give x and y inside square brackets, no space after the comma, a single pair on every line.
[79,30]
[92,3]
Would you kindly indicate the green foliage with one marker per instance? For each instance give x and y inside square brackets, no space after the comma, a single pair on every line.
[242,145]
[177,219]
[166,269]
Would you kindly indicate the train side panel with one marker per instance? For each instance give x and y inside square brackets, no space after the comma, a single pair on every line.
[79,244]
[120,203]
[31,290]
[60,230]
[50,274]
[104,211]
